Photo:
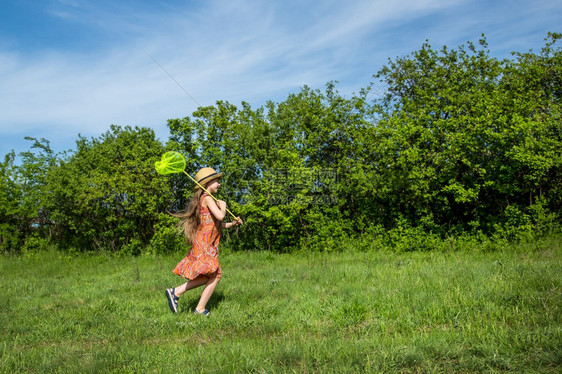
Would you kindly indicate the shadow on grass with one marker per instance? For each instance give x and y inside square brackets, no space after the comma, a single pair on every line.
[213,303]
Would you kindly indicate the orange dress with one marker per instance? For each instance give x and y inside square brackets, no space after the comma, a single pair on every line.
[203,257]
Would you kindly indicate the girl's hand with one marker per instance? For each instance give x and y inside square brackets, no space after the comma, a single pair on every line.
[238,221]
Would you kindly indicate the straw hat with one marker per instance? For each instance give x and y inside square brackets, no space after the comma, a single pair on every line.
[206,175]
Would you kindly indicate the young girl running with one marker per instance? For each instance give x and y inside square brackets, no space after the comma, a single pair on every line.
[201,223]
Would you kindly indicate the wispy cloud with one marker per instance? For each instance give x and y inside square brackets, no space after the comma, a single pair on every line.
[218,50]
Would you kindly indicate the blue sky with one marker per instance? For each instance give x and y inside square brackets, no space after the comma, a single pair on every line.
[70,67]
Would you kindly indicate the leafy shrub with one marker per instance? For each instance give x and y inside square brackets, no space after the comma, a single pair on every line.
[133,247]
[407,238]
[516,225]
[544,221]
[11,239]
[107,195]
[34,243]
[166,238]
[457,143]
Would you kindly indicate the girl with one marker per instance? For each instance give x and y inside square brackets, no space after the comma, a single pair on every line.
[201,224]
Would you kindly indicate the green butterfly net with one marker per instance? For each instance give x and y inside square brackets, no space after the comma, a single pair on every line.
[171,163]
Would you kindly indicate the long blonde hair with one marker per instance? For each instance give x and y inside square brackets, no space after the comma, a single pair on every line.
[189,218]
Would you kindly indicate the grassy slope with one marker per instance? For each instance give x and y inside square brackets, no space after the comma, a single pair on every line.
[346,312]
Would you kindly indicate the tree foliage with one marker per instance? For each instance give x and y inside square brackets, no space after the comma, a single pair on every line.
[23,218]
[459,143]
[106,195]
[430,117]
[470,135]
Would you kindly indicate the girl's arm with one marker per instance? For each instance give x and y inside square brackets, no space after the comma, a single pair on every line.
[218,211]
[237,222]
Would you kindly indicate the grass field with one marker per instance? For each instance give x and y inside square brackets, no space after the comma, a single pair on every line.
[344,312]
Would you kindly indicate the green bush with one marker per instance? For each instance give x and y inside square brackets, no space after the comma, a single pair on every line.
[407,238]
[166,238]
[516,225]
[544,221]
[107,195]
[134,247]
[11,239]
[35,243]
[458,144]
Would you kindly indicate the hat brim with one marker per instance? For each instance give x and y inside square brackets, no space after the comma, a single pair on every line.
[207,179]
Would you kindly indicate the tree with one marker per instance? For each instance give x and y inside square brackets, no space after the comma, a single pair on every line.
[463,136]
[21,192]
[10,196]
[107,194]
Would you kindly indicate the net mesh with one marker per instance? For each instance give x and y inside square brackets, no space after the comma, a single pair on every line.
[171,163]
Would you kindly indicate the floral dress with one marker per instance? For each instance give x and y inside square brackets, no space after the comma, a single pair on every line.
[203,257]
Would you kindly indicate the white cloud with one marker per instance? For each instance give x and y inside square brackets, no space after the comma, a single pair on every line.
[223,50]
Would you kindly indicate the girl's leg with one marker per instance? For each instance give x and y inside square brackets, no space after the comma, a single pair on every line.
[207,292]
[194,283]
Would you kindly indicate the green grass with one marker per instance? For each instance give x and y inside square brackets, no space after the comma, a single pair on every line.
[340,312]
